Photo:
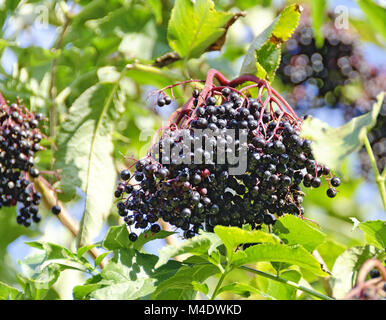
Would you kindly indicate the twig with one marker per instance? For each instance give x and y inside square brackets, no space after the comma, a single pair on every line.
[166,59]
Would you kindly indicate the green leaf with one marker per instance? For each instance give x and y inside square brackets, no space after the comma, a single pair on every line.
[85,155]
[375,233]
[294,255]
[346,268]
[3,45]
[365,31]
[246,4]
[10,231]
[202,245]
[129,275]
[100,258]
[7,8]
[376,15]
[201,287]
[38,285]
[277,33]
[332,145]
[156,7]
[242,289]
[330,251]
[52,251]
[147,236]
[9,293]
[117,237]
[56,254]
[81,251]
[318,16]
[232,237]
[268,60]
[293,230]
[32,56]
[180,287]
[82,292]
[275,289]
[281,291]
[194,26]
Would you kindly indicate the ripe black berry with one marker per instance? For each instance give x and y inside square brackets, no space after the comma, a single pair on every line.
[155,228]
[125,174]
[56,210]
[133,237]
[315,182]
[374,273]
[331,192]
[161,102]
[335,182]
[168,100]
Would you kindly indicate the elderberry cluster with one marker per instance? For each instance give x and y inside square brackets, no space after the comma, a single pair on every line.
[192,196]
[19,141]
[317,76]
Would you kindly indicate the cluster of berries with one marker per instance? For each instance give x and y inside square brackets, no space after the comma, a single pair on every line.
[19,141]
[317,77]
[325,70]
[192,195]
